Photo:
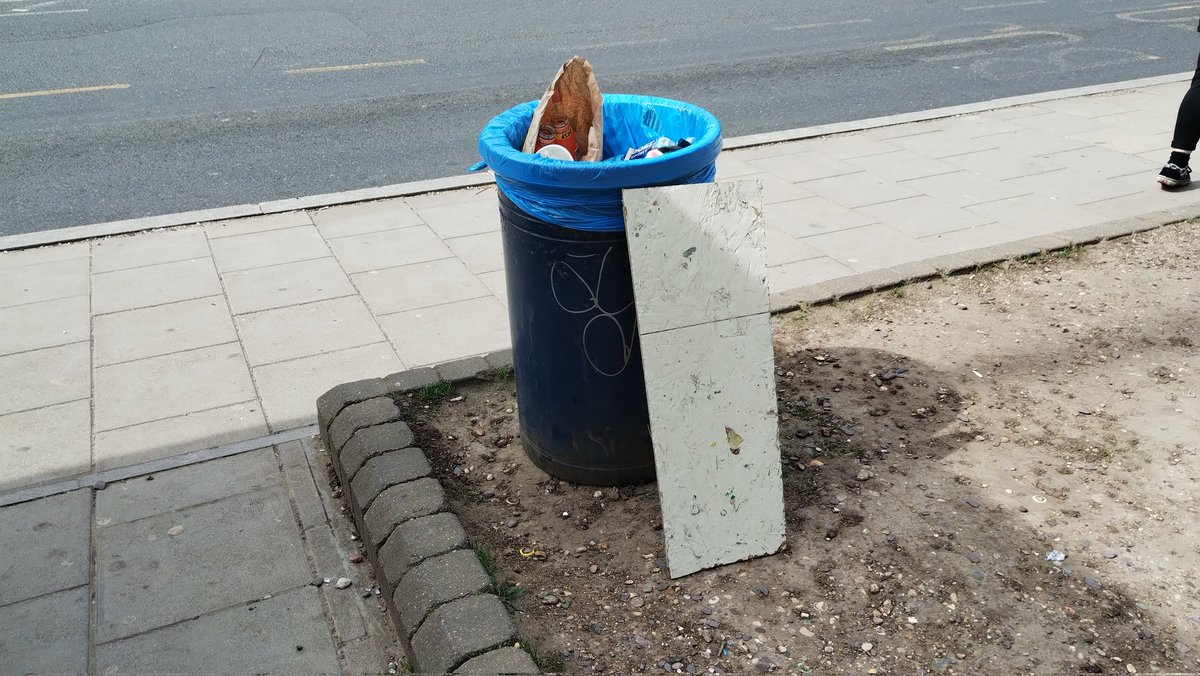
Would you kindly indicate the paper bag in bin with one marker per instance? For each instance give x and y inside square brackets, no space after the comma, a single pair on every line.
[575,97]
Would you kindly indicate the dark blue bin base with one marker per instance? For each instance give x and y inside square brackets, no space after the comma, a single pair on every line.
[580,390]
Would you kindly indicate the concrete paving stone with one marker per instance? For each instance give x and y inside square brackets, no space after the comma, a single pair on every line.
[1044,142]
[496,283]
[151,389]
[813,216]
[902,165]
[923,215]
[859,190]
[803,165]
[44,281]
[975,126]
[939,144]
[472,216]
[374,411]
[344,610]
[449,331]
[435,581]
[729,165]
[402,503]
[370,655]
[180,434]
[459,629]
[782,248]
[461,369]
[1014,112]
[364,217]
[1104,162]
[1066,186]
[419,285]
[1036,213]
[415,541]
[784,278]
[154,285]
[43,254]
[49,442]
[1143,140]
[1006,163]
[290,388]
[1060,123]
[369,442]
[304,330]
[298,476]
[872,247]
[1100,105]
[388,249]
[273,247]
[44,546]
[258,637]
[286,284]
[386,470]
[222,553]
[480,253]
[48,323]
[985,236]
[52,375]
[342,395]
[965,188]
[162,329]
[412,379]
[253,224]
[148,248]
[849,146]
[499,359]
[183,487]
[449,197]
[46,635]
[500,661]
[1135,204]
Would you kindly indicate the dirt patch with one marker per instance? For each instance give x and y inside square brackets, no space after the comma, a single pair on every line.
[939,442]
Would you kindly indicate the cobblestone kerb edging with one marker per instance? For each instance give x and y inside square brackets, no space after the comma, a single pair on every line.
[439,595]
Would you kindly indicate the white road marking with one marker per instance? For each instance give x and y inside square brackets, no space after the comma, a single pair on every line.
[820,25]
[71,90]
[1004,5]
[1136,15]
[53,11]
[977,38]
[352,66]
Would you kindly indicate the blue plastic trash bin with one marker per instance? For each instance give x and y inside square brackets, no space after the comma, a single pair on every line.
[580,389]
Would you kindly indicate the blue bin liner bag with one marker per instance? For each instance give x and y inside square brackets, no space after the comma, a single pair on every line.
[587,195]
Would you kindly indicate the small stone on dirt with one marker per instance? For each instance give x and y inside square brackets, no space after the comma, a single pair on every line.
[977,575]
[511,523]
[343,582]
[593,568]
[863,475]
[1091,582]
[974,557]
[866,647]
[1110,554]
[973,502]
[637,602]
[549,600]
[711,623]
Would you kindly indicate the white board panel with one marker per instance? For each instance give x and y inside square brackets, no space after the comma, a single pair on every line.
[706,239]
[709,382]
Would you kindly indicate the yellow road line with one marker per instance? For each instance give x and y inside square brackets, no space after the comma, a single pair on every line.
[72,90]
[353,66]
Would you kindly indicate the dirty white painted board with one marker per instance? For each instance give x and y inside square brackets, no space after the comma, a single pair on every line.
[698,255]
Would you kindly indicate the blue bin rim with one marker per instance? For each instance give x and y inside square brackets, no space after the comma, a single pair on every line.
[614,173]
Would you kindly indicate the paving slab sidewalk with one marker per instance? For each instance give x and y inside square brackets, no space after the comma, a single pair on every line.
[203,568]
[132,348]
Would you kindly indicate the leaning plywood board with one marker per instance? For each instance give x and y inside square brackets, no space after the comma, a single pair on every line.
[698,254]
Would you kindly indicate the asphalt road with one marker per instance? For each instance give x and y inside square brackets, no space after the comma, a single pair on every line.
[217,102]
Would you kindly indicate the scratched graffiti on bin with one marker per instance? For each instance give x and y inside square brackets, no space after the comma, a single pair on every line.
[575,294]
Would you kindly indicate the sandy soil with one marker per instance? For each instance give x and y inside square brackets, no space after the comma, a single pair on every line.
[939,441]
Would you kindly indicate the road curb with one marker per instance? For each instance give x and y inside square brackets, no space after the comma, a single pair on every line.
[122,227]
[439,596]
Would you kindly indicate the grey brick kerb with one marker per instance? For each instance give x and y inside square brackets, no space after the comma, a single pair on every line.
[440,597]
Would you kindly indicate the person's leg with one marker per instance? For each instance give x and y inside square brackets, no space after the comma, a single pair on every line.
[1176,172]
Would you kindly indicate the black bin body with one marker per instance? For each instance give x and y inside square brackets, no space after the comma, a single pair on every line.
[576,354]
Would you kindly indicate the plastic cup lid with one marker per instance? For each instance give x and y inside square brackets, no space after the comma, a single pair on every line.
[556,152]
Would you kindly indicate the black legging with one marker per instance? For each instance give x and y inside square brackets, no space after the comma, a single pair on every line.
[1187,122]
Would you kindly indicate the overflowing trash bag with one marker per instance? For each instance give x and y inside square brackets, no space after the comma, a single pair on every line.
[587,195]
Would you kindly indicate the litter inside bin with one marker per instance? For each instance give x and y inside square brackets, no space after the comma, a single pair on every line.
[570,114]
